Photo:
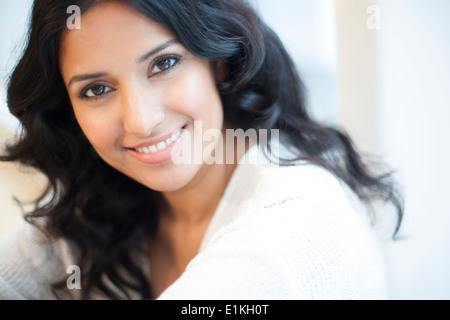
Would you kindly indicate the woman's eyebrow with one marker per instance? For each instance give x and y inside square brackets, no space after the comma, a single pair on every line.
[155,51]
[84,77]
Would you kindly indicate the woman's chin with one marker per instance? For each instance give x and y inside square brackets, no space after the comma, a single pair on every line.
[171,182]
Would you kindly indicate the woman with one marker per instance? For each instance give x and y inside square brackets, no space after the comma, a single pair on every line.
[107,107]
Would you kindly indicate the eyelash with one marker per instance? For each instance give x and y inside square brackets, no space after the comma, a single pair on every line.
[177,59]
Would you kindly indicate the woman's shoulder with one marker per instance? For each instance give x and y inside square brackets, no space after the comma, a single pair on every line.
[298,225]
[30,262]
[261,175]
[288,196]
[298,190]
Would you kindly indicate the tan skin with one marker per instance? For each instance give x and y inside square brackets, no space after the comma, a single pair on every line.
[126,101]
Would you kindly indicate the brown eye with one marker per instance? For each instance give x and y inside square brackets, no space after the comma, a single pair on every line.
[97,90]
[164,64]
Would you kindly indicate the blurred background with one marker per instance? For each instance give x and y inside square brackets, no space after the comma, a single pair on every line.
[378,68]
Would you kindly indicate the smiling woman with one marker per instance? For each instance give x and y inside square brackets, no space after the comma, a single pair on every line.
[141,93]
[106,107]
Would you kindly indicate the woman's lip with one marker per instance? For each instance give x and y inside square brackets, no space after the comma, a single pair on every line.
[155,141]
[160,156]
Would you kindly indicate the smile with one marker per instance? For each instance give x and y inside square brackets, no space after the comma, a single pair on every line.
[161,145]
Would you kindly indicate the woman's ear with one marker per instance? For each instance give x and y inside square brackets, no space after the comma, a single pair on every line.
[220,71]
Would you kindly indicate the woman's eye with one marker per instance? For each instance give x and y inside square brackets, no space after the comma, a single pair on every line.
[97,91]
[164,64]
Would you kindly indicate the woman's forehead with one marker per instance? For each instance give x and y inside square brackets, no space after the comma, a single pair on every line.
[111,31]
[114,20]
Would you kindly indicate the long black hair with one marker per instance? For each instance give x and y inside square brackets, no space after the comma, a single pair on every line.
[107,215]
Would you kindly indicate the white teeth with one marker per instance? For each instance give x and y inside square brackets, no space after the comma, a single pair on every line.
[162,145]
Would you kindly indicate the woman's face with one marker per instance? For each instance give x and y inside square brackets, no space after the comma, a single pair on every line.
[136,93]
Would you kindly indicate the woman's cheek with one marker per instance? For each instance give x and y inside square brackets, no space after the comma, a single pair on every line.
[181,97]
[193,93]
[101,129]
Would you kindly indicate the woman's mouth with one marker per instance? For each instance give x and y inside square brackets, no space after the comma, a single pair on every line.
[161,150]
[161,145]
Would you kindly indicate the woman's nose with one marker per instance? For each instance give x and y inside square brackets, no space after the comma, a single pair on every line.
[140,112]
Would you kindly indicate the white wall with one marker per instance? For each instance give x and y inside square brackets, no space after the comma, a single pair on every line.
[14,180]
[14,15]
[394,97]
[414,115]
[307,28]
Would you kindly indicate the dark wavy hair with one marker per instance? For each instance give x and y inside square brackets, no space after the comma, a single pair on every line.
[108,216]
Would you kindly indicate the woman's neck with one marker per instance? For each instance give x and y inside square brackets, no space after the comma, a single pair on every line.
[184,217]
[197,201]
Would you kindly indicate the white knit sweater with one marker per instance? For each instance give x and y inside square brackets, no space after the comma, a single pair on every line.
[278,233]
